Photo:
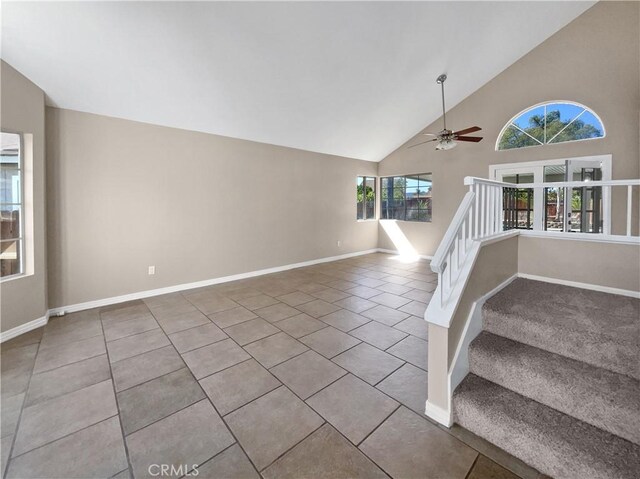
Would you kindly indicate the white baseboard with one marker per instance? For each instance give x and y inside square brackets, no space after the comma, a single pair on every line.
[24,328]
[438,414]
[198,284]
[72,308]
[589,286]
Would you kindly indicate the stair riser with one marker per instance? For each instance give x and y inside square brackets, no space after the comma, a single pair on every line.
[552,442]
[612,406]
[543,457]
[578,345]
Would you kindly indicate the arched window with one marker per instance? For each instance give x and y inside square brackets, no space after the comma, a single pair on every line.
[549,123]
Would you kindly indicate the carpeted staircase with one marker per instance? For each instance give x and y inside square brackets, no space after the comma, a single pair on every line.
[554,380]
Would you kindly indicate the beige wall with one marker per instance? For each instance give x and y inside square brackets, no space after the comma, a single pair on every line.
[595,61]
[605,264]
[126,195]
[496,263]
[24,298]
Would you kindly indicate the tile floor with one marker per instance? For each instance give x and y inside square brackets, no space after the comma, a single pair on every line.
[313,372]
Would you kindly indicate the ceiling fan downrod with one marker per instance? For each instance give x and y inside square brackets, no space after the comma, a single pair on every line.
[440,81]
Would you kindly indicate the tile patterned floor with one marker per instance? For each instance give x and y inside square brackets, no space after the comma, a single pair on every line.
[314,372]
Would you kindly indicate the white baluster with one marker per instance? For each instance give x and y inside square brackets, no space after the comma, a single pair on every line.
[496,227]
[464,236]
[448,271]
[629,207]
[490,222]
[483,218]
[500,208]
[452,250]
[477,212]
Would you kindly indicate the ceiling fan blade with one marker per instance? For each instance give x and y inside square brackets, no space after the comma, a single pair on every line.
[422,143]
[475,139]
[467,130]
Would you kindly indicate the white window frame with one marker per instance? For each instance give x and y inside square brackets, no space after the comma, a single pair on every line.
[405,198]
[375,201]
[545,104]
[21,209]
[537,168]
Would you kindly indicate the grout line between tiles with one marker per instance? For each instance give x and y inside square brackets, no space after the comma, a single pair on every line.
[403,363]
[65,436]
[19,421]
[68,364]
[472,466]
[225,422]
[381,423]
[295,445]
[168,415]
[190,472]
[280,383]
[46,347]
[115,398]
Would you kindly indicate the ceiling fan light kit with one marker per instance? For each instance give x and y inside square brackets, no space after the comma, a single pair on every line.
[446,145]
[447,138]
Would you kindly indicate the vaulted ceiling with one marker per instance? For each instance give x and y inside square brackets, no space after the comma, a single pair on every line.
[354,79]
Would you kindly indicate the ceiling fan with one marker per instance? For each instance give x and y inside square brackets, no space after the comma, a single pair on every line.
[448,139]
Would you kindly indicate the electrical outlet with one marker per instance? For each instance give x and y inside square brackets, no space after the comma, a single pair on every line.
[339,243]
[152,270]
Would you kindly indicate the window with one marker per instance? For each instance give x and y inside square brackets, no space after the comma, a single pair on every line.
[583,209]
[406,198]
[11,211]
[550,123]
[518,203]
[366,195]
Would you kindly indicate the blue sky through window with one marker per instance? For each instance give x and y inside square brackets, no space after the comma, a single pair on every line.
[550,123]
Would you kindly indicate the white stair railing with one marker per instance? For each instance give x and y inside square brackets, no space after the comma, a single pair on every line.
[480,217]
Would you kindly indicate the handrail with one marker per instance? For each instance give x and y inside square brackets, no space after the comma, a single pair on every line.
[472,180]
[438,260]
[606,185]
[480,217]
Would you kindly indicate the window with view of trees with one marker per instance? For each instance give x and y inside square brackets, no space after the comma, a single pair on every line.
[550,123]
[406,198]
[366,198]
[11,239]
[518,203]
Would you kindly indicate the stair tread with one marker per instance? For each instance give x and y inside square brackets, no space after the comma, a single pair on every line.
[600,397]
[598,328]
[552,442]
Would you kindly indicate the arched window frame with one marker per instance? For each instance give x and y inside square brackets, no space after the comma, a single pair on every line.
[545,103]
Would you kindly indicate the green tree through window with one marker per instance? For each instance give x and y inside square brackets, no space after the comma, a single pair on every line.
[550,123]
[406,198]
[366,198]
